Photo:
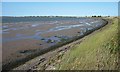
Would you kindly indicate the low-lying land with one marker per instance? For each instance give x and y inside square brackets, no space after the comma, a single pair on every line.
[24,40]
[97,51]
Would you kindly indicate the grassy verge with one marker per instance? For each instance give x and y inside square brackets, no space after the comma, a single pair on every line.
[98,51]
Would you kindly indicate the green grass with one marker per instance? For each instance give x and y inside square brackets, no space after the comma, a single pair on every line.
[98,51]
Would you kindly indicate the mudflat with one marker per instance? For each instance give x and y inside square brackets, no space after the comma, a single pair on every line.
[22,38]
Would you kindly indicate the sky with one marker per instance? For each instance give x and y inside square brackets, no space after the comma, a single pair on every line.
[59,8]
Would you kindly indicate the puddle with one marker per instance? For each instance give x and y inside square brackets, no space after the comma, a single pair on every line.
[90,28]
[4,30]
[34,25]
[5,27]
[19,35]
[53,39]
[88,23]
[16,38]
[58,28]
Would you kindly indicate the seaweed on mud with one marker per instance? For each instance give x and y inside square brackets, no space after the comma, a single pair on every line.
[50,41]
[26,51]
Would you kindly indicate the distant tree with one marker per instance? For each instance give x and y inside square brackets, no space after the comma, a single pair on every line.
[99,16]
[94,16]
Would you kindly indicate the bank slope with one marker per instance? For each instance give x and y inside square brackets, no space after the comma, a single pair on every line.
[98,51]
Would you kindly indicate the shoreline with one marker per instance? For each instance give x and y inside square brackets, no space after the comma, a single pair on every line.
[39,53]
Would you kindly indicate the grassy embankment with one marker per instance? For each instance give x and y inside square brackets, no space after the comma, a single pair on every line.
[98,51]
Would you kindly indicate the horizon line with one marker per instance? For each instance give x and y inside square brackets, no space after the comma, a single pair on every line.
[54,15]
